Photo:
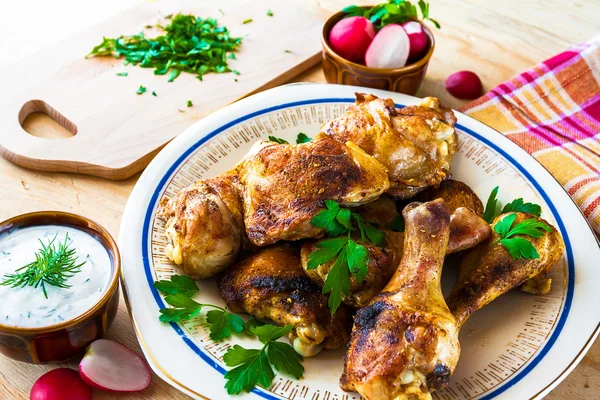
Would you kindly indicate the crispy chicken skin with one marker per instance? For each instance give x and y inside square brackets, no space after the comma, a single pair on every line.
[467,230]
[415,143]
[285,186]
[456,194]
[405,343]
[204,226]
[271,284]
[489,271]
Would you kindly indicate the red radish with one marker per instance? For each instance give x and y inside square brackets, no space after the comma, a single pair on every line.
[464,85]
[350,38]
[110,366]
[60,384]
[418,39]
[389,49]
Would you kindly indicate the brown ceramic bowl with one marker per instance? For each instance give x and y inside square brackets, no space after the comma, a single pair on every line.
[60,342]
[339,70]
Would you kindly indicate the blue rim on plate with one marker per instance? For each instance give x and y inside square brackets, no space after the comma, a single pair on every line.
[151,206]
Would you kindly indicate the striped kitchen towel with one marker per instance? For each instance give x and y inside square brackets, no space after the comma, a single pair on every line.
[553,112]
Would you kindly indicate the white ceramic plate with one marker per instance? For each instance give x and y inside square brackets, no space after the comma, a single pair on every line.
[518,347]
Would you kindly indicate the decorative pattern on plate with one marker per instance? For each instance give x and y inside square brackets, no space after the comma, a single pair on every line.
[493,351]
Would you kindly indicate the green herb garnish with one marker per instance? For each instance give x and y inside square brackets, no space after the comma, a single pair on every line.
[189,103]
[278,140]
[255,366]
[350,257]
[392,12]
[302,138]
[53,265]
[269,13]
[189,44]
[141,89]
[122,74]
[247,21]
[179,290]
[520,247]
[492,207]
[154,93]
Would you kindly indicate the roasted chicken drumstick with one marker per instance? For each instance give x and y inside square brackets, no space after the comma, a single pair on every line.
[415,143]
[405,343]
[272,285]
[489,271]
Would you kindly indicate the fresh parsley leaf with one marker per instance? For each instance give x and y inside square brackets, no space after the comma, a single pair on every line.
[255,366]
[177,284]
[141,89]
[491,207]
[269,13]
[177,314]
[188,44]
[326,251]
[337,283]
[122,74]
[222,323]
[247,21]
[518,205]
[285,359]
[253,369]
[302,138]
[189,103]
[344,217]
[327,219]
[502,227]
[278,140]
[154,94]
[369,231]
[179,300]
[267,332]
[519,248]
[530,227]
[232,56]
[397,224]
[357,257]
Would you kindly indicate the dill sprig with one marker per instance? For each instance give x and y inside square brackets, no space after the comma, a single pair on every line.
[54,264]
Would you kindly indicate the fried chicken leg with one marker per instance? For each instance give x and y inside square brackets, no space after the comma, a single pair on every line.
[405,343]
[285,186]
[204,226]
[271,284]
[415,143]
[488,271]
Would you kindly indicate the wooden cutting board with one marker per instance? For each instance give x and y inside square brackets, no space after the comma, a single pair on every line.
[117,132]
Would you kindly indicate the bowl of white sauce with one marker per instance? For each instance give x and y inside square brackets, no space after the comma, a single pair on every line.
[58,285]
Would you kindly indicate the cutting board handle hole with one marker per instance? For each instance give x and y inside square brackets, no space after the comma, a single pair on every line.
[39,119]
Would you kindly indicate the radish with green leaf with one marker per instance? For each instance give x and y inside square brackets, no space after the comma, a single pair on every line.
[60,384]
[110,366]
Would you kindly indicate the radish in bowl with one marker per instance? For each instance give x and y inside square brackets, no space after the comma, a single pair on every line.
[110,366]
[60,384]
[350,38]
[417,38]
[389,49]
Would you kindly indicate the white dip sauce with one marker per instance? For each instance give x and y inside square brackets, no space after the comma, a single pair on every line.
[27,306]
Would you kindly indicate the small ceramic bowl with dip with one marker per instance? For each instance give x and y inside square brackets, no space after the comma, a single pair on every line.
[53,324]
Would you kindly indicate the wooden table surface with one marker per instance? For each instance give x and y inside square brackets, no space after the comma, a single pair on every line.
[496,39]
